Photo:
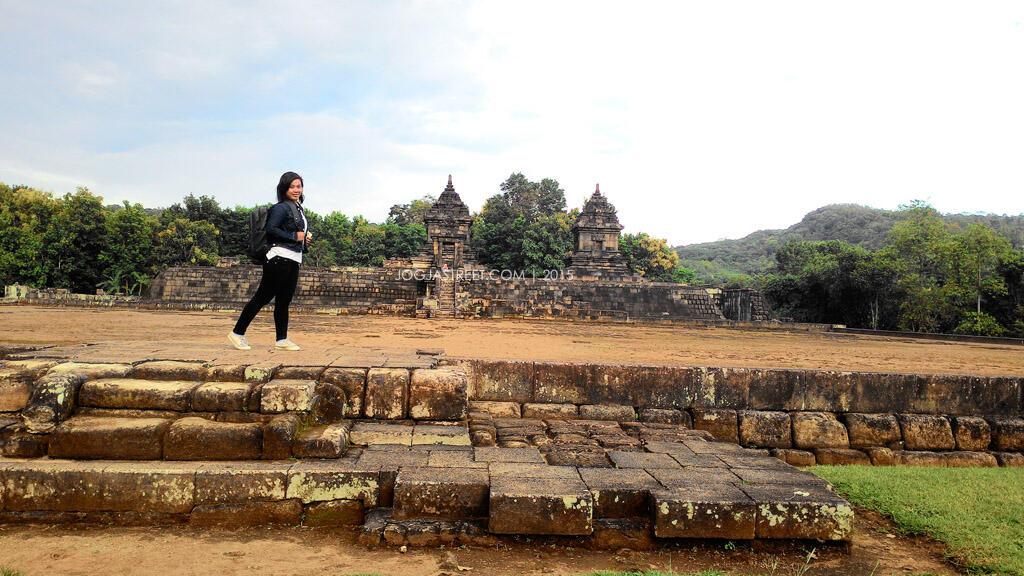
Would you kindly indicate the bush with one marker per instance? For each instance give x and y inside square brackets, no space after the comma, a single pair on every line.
[979,324]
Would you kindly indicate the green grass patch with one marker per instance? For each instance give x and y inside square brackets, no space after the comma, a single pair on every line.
[8,572]
[977,512]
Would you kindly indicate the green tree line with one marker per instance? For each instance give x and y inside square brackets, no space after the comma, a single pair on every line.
[76,242]
[931,276]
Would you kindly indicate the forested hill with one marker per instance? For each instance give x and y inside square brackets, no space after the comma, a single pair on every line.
[724,260]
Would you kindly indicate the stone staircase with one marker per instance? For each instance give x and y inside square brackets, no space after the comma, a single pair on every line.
[387,448]
[445,297]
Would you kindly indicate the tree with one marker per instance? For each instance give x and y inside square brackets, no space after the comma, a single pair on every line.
[411,213]
[24,217]
[525,227]
[403,241]
[73,241]
[127,254]
[185,242]
[652,258]
[980,250]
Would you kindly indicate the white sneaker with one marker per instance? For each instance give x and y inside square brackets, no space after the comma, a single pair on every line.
[238,341]
[286,344]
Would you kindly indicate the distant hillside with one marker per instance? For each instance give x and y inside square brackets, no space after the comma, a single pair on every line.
[718,262]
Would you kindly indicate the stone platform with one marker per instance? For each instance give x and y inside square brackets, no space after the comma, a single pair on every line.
[387,440]
[424,484]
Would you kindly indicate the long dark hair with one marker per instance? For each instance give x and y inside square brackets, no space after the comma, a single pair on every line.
[285,183]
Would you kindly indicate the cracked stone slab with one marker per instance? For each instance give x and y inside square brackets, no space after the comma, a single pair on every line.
[429,434]
[496,454]
[333,480]
[800,512]
[370,433]
[704,511]
[540,506]
[444,493]
[173,395]
[619,493]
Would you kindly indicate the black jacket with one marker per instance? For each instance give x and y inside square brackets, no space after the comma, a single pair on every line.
[283,226]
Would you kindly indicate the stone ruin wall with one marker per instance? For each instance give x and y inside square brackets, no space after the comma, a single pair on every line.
[384,290]
[528,297]
[802,416]
[349,290]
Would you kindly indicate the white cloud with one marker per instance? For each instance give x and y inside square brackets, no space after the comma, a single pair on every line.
[700,120]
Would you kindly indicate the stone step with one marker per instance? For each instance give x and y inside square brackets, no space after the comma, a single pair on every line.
[189,438]
[164,397]
[127,393]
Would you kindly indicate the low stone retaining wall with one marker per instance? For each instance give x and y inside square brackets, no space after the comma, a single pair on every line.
[804,416]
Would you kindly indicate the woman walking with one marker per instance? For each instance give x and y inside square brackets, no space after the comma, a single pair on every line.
[287,234]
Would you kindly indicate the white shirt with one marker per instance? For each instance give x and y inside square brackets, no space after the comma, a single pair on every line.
[286,253]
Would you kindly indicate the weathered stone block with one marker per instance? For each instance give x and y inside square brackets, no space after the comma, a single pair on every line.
[218,483]
[173,395]
[502,380]
[765,429]
[202,439]
[322,441]
[968,459]
[917,458]
[818,430]
[454,459]
[367,433]
[606,412]
[14,395]
[794,457]
[868,430]
[221,397]
[540,506]
[279,396]
[386,393]
[440,435]
[971,433]
[495,454]
[278,436]
[721,388]
[1008,434]
[874,393]
[620,533]
[881,456]
[353,382]
[531,410]
[926,432]
[243,514]
[334,513]
[53,399]
[841,457]
[561,382]
[619,493]
[791,476]
[693,476]
[663,416]
[582,455]
[224,373]
[772,389]
[167,370]
[496,409]
[703,511]
[261,373]
[440,493]
[800,512]
[1010,459]
[98,486]
[17,443]
[329,403]
[438,394]
[723,424]
[333,480]
[532,470]
[644,460]
[83,438]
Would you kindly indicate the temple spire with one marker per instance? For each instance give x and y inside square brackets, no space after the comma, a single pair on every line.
[597,189]
[450,187]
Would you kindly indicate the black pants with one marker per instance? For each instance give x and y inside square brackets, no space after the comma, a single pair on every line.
[280,276]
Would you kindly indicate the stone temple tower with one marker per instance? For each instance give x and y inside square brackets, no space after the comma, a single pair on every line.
[448,227]
[596,242]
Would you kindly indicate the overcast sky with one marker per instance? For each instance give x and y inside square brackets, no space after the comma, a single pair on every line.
[700,120]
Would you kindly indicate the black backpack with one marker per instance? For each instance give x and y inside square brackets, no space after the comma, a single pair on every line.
[258,245]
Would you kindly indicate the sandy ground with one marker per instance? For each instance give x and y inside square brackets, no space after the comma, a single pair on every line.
[87,551]
[522,339]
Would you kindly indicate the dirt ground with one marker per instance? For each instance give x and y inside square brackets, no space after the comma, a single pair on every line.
[87,551]
[525,339]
